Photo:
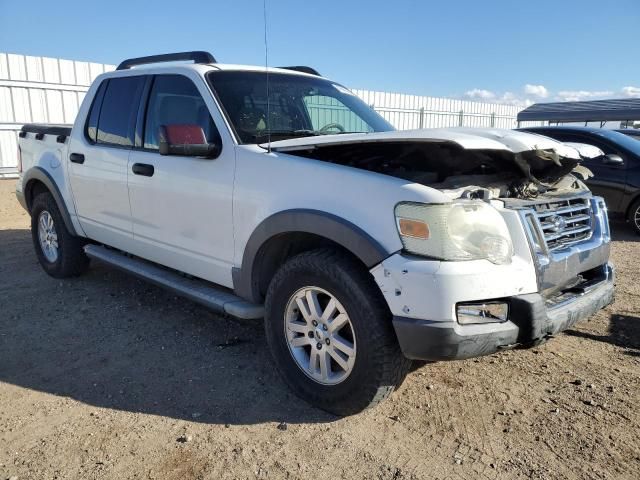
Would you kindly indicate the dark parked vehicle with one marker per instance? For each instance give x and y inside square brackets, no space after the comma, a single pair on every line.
[632,132]
[616,175]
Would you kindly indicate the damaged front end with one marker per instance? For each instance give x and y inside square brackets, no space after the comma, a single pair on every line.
[462,163]
[539,179]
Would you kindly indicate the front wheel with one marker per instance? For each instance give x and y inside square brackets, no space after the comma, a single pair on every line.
[634,216]
[59,252]
[330,333]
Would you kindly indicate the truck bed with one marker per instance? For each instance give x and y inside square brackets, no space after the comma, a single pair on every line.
[46,129]
[40,141]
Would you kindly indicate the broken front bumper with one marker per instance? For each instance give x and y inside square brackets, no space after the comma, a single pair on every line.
[547,291]
[532,319]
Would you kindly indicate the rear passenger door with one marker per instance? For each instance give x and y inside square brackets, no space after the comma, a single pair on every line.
[99,159]
[182,213]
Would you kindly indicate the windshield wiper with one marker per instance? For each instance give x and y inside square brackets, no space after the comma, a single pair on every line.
[284,134]
[287,133]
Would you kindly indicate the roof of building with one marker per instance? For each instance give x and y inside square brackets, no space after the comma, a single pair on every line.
[566,128]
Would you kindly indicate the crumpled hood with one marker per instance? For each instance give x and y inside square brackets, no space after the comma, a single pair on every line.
[585,150]
[467,138]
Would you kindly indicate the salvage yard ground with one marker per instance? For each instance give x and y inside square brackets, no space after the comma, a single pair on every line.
[107,377]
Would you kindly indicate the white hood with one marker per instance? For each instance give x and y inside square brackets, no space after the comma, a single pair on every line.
[466,138]
[585,150]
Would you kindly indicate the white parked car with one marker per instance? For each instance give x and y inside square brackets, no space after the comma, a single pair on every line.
[361,246]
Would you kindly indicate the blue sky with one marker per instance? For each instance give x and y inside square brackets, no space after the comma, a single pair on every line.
[510,51]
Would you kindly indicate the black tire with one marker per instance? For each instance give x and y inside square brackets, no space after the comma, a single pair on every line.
[379,365]
[71,260]
[634,216]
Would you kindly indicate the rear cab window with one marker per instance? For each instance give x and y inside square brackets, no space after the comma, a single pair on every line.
[92,120]
[113,114]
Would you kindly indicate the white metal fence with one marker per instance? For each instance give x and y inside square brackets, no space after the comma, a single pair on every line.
[38,89]
[50,90]
[412,111]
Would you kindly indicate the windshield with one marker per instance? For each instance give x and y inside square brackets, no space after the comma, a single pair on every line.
[299,106]
[625,141]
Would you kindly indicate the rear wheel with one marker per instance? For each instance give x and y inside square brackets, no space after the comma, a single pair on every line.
[634,216]
[59,252]
[330,333]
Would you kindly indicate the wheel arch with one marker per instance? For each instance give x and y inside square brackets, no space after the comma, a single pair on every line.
[36,181]
[290,232]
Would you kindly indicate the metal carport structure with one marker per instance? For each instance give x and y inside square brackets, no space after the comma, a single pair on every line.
[624,109]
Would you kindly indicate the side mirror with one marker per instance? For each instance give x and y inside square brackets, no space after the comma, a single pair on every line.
[613,159]
[186,141]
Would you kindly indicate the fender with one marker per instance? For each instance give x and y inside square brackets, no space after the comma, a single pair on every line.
[334,228]
[38,173]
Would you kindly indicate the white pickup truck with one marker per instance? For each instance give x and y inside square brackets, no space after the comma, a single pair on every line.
[278,194]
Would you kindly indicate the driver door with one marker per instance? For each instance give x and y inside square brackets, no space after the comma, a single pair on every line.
[181,206]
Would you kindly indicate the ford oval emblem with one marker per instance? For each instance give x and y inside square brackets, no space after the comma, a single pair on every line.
[558,223]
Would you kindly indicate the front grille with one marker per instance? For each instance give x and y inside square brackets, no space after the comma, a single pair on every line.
[565,222]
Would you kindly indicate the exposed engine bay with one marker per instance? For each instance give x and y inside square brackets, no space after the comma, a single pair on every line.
[461,172]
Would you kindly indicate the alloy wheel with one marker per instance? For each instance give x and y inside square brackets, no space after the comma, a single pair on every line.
[48,236]
[320,335]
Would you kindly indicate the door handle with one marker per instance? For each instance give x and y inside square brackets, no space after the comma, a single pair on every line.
[76,158]
[143,169]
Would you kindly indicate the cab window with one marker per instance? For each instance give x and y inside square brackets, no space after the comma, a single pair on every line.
[175,100]
[118,111]
[92,120]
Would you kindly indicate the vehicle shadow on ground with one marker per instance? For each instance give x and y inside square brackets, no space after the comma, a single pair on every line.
[624,331]
[623,231]
[112,341]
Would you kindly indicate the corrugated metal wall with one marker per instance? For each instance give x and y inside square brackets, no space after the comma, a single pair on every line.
[38,89]
[412,111]
[50,90]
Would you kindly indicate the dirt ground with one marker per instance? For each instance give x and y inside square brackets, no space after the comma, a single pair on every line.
[106,377]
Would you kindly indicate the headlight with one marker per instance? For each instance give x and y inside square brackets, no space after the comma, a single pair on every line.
[461,230]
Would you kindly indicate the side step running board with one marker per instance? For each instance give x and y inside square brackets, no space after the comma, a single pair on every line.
[218,299]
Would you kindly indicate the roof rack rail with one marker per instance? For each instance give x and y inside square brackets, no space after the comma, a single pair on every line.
[197,57]
[303,69]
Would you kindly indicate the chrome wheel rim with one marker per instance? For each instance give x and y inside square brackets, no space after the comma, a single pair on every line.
[48,236]
[320,335]
[636,218]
